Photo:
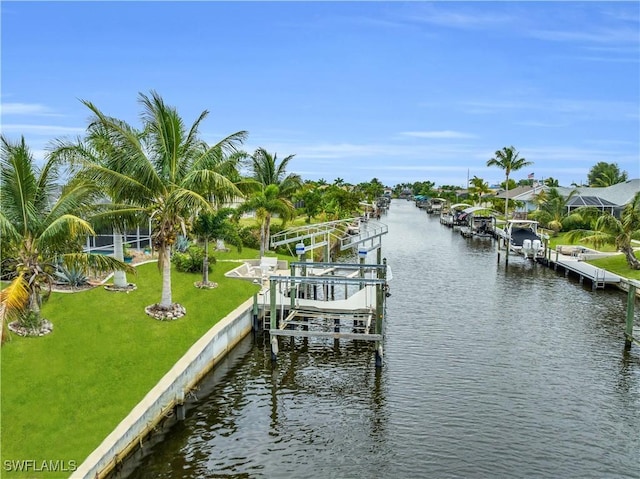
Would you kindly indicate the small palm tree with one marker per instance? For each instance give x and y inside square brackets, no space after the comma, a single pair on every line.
[479,187]
[614,231]
[41,226]
[508,159]
[115,213]
[265,204]
[267,172]
[552,210]
[215,226]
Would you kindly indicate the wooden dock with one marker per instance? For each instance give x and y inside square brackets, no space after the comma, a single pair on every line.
[572,265]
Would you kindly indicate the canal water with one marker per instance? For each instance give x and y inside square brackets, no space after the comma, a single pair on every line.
[489,371]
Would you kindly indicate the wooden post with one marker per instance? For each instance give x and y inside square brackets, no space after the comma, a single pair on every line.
[273,319]
[380,295]
[507,244]
[256,326]
[631,298]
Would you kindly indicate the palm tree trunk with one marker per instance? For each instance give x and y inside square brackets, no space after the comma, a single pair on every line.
[262,235]
[506,198]
[166,300]
[632,261]
[119,277]
[205,263]
[267,231]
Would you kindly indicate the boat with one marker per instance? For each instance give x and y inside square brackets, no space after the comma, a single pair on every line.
[523,238]
[451,216]
[479,222]
[435,205]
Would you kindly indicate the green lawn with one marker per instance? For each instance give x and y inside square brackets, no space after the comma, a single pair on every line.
[616,264]
[561,239]
[62,394]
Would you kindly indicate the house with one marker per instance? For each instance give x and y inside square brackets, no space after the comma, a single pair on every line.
[524,194]
[611,199]
[608,198]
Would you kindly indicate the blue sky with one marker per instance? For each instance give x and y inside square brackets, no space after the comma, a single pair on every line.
[399,91]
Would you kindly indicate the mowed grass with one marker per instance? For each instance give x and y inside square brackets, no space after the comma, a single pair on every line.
[62,394]
[561,239]
[617,264]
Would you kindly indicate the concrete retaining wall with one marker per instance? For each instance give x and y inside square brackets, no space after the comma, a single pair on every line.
[171,390]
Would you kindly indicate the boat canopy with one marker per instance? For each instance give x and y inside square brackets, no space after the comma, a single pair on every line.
[458,206]
[473,209]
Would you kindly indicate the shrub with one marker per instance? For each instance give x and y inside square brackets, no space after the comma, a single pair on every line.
[72,276]
[250,236]
[191,260]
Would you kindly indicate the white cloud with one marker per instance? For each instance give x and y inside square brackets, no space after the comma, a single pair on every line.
[25,109]
[456,19]
[45,130]
[437,134]
[604,36]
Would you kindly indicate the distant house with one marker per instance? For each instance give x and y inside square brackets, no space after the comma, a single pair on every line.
[523,194]
[611,199]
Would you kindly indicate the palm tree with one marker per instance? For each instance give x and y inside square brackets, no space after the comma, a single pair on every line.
[163,169]
[267,203]
[552,209]
[268,172]
[215,226]
[610,230]
[41,227]
[508,159]
[116,214]
[605,174]
[479,187]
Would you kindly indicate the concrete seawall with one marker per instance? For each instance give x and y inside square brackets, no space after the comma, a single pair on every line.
[169,392]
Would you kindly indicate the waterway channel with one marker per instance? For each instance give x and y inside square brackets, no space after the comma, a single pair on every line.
[490,371]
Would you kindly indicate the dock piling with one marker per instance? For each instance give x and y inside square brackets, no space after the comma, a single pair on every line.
[631,298]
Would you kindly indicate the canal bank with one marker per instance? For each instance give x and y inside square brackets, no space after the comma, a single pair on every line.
[168,396]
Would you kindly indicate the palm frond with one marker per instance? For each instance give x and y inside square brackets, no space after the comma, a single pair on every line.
[62,229]
[15,297]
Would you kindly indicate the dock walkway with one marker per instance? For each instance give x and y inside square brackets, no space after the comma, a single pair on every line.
[572,264]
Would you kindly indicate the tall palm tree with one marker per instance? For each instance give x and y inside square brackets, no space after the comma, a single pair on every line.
[610,230]
[508,159]
[163,169]
[267,171]
[41,226]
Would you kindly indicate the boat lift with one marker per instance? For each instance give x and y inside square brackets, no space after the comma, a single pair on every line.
[326,299]
[364,234]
